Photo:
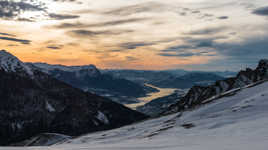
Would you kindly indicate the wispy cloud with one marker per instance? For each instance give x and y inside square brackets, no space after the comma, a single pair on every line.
[91,34]
[137,8]
[131,58]
[185,54]
[101,24]
[62,16]
[128,31]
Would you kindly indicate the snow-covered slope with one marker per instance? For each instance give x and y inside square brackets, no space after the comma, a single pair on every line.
[44,139]
[10,63]
[237,122]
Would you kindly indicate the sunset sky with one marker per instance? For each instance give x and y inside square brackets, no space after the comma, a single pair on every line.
[137,34]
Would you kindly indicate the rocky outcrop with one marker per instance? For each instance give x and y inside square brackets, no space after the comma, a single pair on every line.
[155,107]
[199,94]
[32,102]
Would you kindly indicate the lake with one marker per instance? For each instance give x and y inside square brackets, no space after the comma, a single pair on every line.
[151,96]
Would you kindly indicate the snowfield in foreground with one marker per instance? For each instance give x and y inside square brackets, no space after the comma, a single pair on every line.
[238,122]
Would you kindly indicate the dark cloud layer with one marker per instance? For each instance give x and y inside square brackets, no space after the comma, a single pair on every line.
[178,48]
[55,47]
[190,44]
[186,54]
[62,16]
[251,48]
[93,34]
[208,31]
[12,9]
[6,34]
[223,17]
[185,50]
[177,55]
[64,0]
[69,1]
[134,45]
[26,20]
[263,11]
[22,41]
[200,40]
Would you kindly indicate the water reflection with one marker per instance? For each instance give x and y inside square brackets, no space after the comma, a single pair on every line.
[151,96]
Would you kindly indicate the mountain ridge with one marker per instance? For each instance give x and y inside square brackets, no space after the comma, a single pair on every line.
[48,67]
[198,94]
[10,63]
[36,103]
[90,78]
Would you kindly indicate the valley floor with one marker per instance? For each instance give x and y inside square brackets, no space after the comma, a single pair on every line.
[238,122]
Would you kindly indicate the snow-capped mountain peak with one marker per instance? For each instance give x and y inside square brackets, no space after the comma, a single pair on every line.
[10,63]
[90,70]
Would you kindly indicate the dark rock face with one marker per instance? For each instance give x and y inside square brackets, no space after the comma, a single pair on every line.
[198,94]
[36,103]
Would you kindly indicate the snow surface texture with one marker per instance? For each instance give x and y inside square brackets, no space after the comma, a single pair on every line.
[238,122]
[45,139]
[10,63]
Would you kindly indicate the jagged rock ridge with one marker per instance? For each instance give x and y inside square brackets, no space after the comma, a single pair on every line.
[199,94]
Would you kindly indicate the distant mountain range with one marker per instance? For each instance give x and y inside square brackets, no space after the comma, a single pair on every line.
[139,76]
[89,78]
[33,102]
[181,72]
[167,79]
[188,80]
[124,86]
[203,90]
[35,107]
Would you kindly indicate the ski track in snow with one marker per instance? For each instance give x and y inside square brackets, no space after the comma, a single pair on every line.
[238,122]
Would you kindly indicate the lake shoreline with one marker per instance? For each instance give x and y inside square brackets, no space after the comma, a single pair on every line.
[151,96]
